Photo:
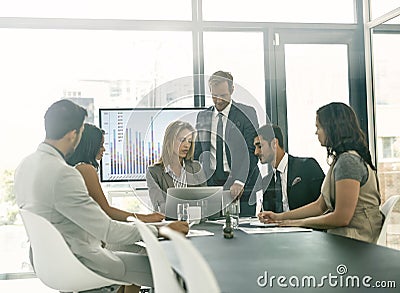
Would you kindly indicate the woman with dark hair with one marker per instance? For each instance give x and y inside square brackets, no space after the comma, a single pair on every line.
[85,159]
[350,198]
[176,167]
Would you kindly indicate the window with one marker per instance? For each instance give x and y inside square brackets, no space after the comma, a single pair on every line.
[94,9]
[389,148]
[241,54]
[381,7]
[93,68]
[316,74]
[311,11]
[387,92]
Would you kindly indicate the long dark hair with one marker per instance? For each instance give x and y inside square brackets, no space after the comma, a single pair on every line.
[342,131]
[88,147]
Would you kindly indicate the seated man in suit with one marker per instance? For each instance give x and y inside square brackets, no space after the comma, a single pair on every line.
[224,143]
[47,186]
[294,181]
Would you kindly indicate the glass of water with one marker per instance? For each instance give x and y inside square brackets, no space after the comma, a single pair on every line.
[182,212]
[204,210]
[234,210]
[231,205]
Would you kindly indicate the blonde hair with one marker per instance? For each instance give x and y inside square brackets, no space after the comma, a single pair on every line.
[172,131]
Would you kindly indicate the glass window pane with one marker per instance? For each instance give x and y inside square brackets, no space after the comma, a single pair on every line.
[380,7]
[244,60]
[95,68]
[313,11]
[315,75]
[94,9]
[393,21]
[387,92]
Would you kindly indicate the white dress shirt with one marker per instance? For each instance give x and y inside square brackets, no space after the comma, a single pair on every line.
[179,181]
[213,147]
[283,168]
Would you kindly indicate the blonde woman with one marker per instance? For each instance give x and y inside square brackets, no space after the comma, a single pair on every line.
[176,167]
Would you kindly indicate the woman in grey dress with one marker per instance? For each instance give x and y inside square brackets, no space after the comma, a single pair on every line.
[350,197]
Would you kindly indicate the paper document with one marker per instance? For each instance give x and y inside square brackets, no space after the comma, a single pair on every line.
[141,244]
[254,222]
[247,220]
[219,222]
[195,233]
[242,220]
[259,224]
[259,230]
[192,233]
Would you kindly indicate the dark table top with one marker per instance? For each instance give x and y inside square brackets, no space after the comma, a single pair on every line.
[301,261]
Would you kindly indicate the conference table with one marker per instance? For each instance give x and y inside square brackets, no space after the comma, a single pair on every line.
[298,261]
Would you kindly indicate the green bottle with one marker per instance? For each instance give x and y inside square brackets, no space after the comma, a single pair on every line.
[228,230]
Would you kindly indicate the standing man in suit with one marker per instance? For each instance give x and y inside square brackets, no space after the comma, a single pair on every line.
[47,186]
[294,182]
[224,143]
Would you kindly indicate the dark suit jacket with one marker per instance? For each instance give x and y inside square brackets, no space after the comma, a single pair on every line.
[304,182]
[239,137]
[158,181]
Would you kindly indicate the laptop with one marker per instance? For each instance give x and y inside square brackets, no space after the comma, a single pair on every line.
[209,198]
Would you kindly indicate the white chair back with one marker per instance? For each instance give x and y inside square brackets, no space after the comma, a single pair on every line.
[54,263]
[197,273]
[386,210]
[164,278]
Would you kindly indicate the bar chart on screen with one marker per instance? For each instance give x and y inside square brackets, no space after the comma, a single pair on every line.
[133,139]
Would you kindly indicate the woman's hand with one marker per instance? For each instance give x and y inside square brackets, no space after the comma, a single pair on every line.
[269,217]
[179,226]
[151,218]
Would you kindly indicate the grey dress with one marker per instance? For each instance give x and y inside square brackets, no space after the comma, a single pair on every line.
[367,220]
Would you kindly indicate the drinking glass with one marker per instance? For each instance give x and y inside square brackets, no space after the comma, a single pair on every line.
[231,205]
[195,214]
[203,204]
[234,210]
[182,212]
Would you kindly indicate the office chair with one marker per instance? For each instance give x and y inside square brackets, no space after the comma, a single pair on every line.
[54,263]
[199,277]
[386,210]
[164,278]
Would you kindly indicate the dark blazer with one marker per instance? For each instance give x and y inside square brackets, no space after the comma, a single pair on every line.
[158,181]
[304,182]
[239,137]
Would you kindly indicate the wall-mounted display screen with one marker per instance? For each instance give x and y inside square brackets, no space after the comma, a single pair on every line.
[133,139]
